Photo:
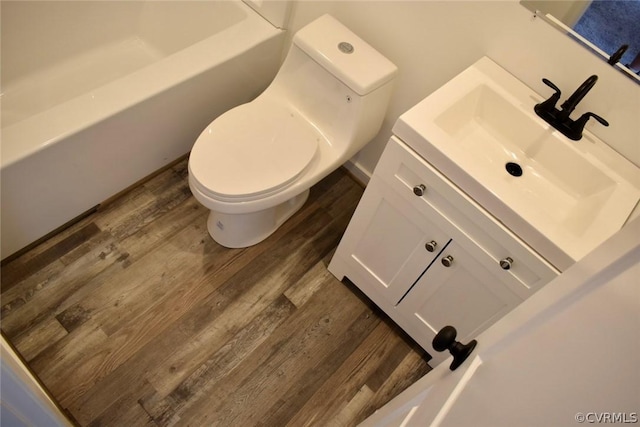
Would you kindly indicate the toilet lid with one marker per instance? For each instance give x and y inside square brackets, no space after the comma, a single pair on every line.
[252,150]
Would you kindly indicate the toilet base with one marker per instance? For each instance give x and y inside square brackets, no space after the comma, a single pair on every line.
[243,230]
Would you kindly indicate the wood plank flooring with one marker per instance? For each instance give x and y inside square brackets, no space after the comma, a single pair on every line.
[134,316]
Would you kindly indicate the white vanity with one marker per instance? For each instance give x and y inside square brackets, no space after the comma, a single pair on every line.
[444,235]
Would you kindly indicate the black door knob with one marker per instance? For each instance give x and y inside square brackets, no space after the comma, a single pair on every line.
[445,339]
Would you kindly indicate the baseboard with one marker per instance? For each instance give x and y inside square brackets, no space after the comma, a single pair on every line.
[358,172]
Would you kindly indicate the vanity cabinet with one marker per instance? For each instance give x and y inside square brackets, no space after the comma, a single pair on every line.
[385,243]
[430,256]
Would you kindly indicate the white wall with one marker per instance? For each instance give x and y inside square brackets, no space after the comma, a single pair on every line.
[432,41]
[567,11]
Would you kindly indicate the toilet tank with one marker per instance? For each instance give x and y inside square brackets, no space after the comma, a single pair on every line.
[338,82]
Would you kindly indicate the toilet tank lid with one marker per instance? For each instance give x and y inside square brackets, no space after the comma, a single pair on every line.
[360,66]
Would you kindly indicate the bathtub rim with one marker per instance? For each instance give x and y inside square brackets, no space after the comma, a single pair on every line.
[41,130]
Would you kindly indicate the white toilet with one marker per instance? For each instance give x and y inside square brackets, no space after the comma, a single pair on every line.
[253,166]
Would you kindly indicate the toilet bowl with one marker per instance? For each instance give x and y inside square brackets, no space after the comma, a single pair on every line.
[253,166]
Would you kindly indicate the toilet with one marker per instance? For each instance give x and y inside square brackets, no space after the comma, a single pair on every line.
[253,166]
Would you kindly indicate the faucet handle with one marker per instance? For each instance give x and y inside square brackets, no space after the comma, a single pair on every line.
[575,130]
[552,86]
[585,117]
[547,108]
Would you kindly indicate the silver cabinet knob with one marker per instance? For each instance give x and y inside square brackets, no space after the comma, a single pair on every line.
[506,263]
[431,246]
[447,261]
[419,189]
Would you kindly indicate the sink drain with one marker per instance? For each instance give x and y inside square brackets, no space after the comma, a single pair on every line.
[514,169]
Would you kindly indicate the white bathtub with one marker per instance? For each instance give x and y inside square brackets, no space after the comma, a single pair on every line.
[97,95]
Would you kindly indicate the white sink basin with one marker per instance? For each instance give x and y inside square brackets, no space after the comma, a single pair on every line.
[570,196]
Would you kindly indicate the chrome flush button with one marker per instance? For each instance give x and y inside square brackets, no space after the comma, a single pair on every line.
[345,47]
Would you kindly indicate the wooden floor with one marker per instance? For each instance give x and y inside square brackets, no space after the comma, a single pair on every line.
[134,316]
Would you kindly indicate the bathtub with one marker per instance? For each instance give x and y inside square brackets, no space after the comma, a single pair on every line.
[96,95]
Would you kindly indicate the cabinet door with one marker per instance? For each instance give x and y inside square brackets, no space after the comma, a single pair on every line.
[466,294]
[384,249]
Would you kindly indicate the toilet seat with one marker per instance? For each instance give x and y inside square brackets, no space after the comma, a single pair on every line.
[252,151]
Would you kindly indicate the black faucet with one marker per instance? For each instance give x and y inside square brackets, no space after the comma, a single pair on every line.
[571,102]
[560,119]
[618,54]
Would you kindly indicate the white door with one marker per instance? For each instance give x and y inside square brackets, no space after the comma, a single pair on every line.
[568,355]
